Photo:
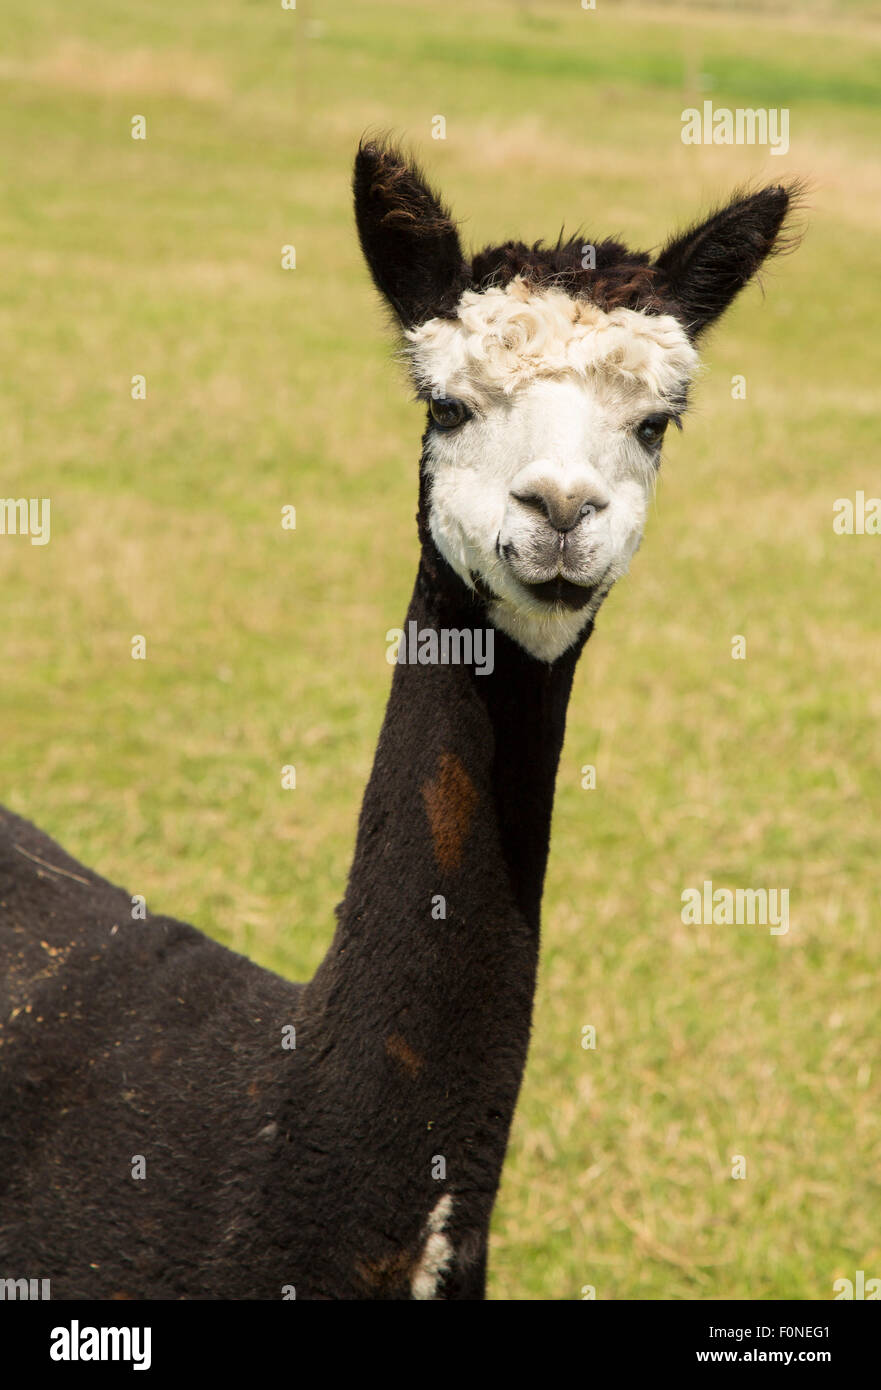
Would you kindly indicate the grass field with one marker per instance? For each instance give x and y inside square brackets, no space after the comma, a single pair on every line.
[268,387]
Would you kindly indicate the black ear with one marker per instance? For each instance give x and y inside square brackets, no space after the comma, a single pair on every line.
[408,237]
[708,265]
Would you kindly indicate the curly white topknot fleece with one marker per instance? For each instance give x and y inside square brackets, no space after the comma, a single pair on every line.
[501,339]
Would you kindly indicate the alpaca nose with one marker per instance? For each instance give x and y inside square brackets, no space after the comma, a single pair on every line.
[564,510]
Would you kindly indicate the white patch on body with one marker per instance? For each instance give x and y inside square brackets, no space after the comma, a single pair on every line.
[437,1254]
[557,387]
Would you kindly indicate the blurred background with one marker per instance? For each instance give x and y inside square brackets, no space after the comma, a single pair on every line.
[268,387]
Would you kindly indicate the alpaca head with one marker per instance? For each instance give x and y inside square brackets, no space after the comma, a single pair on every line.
[550,374]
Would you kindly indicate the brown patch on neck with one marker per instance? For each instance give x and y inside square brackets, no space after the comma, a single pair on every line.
[386,1274]
[449,803]
[398,1048]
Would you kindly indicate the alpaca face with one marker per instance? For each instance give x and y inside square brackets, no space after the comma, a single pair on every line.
[550,379]
[546,417]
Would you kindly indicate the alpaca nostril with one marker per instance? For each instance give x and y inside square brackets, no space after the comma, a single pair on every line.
[533,500]
[592,506]
[564,512]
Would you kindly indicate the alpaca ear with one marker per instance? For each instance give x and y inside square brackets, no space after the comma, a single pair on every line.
[705,268]
[408,237]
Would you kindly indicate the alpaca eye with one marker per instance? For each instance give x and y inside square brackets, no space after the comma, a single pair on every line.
[447,412]
[650,431]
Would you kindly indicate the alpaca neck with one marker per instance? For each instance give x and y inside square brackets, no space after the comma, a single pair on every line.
[460,797]
[422,1006]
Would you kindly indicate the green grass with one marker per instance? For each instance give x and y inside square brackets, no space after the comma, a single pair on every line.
[268,387]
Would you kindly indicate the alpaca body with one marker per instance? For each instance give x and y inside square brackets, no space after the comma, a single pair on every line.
[124,1038]
[160,1137]
[147,1038]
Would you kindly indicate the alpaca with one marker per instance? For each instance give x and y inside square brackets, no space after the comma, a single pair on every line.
[175,1121]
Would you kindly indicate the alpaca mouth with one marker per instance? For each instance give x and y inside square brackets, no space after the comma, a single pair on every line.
[557,591]
[561,591]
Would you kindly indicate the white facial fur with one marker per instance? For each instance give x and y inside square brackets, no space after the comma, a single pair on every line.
[557,387]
